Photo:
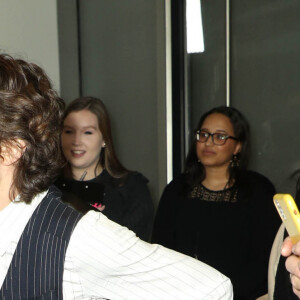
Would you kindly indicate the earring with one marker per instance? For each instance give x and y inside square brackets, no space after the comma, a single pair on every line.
[103,145]
[235,162]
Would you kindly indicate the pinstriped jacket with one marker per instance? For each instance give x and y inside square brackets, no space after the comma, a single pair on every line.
[36,270]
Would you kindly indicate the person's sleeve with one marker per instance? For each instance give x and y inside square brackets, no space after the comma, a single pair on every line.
[163,232]
[140,213]
[111,262]
[265,225]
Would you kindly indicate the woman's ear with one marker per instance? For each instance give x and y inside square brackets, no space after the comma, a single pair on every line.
[238,148]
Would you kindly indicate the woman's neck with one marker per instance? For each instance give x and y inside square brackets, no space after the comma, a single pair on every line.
[88,174]
[216,178]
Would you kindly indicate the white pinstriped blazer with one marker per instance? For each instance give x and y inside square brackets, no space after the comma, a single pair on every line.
[107,261]
[36,269]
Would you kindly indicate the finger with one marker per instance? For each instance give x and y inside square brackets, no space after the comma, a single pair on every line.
[296,290]
[296,249]
[101,208]
[98,206]
[292,266]
[287,246]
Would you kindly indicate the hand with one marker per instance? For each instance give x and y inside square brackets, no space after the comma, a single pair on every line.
[99,206]
[292,263]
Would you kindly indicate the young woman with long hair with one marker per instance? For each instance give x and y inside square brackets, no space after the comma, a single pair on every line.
[93,177]
[217,204]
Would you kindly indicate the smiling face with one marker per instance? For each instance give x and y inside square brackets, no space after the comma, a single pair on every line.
[212,155]
[82,142]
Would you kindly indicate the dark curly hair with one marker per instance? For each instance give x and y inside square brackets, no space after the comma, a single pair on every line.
[30,111]
[108,158]
[195,170]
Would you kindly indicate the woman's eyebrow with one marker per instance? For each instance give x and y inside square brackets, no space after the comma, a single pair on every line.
[217,130]
[84,127]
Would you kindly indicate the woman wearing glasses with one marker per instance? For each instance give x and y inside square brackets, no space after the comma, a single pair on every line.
[94,178]
[218,202]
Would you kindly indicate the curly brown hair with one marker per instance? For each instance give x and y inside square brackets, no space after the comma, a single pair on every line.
[30,111]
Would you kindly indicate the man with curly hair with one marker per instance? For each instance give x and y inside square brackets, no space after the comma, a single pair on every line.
[48,249]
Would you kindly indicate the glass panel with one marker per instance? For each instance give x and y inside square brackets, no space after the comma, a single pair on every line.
[265,77]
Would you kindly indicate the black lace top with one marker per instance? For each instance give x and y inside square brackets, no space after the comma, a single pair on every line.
[226,195]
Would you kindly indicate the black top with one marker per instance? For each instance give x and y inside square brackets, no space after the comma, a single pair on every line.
[231,230]
[127,201]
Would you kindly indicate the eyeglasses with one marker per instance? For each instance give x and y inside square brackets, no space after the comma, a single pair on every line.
[218,139]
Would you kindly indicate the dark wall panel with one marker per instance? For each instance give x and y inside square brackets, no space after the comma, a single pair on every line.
[265,77]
